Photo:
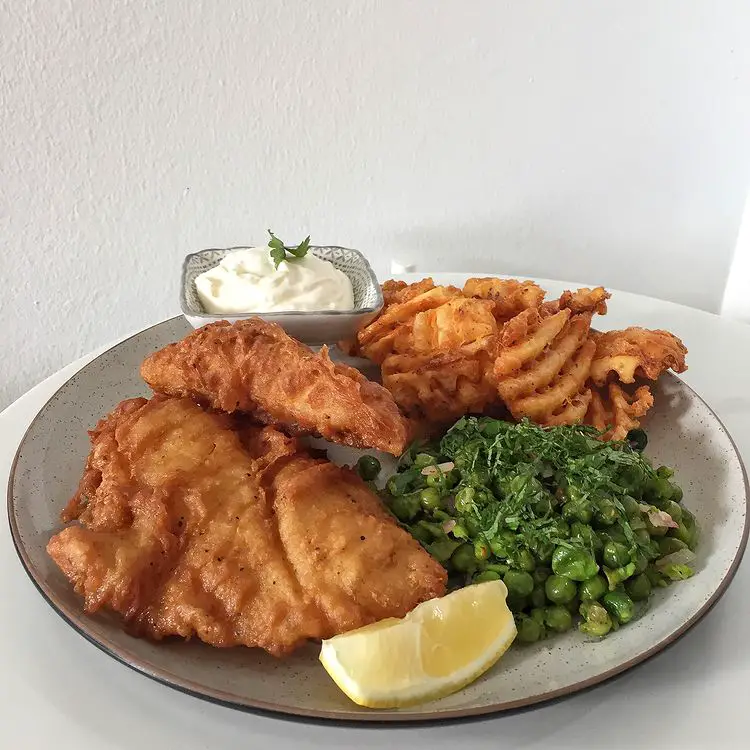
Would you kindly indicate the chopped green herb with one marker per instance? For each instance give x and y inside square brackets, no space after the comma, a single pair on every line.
[522,498]
[279,250]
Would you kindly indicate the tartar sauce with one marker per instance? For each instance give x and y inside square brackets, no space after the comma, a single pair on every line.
[247,281]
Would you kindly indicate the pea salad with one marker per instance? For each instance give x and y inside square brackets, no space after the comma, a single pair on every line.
[580,530]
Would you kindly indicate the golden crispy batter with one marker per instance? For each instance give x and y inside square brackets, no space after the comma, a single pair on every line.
[636,352]
[614,412]
[458,322]
[255,367]
[439,387]
[190,528]
[546,405]
[540,372]
[402,313]
[508,296]
[580,301]
[524,338]
[441,357]
[395,292]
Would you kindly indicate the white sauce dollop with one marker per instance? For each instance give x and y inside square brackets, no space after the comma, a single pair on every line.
[247,281]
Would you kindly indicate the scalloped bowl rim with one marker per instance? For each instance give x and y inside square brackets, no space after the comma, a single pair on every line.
[356,311]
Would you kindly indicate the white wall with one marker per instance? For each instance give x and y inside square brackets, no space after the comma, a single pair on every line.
[591,140]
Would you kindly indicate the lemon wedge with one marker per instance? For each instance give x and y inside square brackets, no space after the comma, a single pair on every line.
[438,648]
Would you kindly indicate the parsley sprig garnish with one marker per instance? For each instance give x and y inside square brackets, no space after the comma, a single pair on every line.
[279,250]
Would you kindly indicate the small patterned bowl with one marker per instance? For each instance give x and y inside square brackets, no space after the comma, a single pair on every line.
[304,326]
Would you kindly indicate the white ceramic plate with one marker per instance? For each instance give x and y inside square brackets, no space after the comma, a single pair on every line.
[683,431]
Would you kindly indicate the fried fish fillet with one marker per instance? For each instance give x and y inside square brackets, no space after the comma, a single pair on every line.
[255,367]
[188,527]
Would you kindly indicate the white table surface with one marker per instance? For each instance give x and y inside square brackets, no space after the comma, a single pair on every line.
[57,690]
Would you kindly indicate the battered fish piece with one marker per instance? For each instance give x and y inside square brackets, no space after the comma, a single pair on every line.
[253,366]
[191,527]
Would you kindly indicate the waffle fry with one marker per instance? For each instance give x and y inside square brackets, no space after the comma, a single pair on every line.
[439,388]
[496,344]
[636,352]
[614,412]
[509,297]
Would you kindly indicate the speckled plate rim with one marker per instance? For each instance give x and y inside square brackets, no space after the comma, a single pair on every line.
[376,718]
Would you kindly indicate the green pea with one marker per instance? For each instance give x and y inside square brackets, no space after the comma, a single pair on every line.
[651,550]
[558,619]
[619,605]
[615,554]
[463,558]
[443,549]
[478,477]
[538,614]
[617,576]
[597,629]
[560,590]
[606,512]
[578,510]
[404,507]
[499,568]
[524,560]
[593,588]
[529,630]
[421,534]
[670,544]
[642,536]
[585,536]
[665,472]
[399,484]
[504,544]
[538,597]
[541,574]
[615,534]
[560,528]
[472,526]
[663,488]
[674,510]
[655,577]
[544,506]
[519,582]
[434,528]
[677,493]
[465,499]
[630,505]
[574,563]
[597,621]
[517,604]
[486,575]
[637,439]
[429,498]
[368,467]
[687,530]
[638,587]
[640,561]
[423,460]
[636,522]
